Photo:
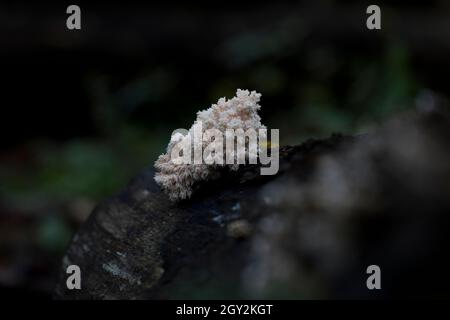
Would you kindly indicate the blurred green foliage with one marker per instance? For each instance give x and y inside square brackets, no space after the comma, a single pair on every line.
[132,86]
[308,90]
[95,167]
[53,233]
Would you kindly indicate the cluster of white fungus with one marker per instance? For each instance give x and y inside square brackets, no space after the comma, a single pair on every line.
[240,112]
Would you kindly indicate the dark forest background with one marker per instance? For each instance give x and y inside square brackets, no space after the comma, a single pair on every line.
[83,111]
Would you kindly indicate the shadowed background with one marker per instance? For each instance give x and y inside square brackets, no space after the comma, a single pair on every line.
[84,111]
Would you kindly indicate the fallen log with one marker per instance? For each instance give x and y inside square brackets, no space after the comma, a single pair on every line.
[337,206]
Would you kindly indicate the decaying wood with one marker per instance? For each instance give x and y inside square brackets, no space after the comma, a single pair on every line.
[336,206]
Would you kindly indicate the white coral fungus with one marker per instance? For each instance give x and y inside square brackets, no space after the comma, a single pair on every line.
[177,179]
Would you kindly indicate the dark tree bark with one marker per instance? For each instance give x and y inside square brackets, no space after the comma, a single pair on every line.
[336,206]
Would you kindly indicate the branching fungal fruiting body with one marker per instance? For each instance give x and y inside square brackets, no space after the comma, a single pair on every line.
[177,179]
